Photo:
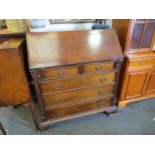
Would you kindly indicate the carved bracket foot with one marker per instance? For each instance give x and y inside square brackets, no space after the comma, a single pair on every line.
[112,112]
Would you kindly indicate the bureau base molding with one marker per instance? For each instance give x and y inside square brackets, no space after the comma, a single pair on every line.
[109,111]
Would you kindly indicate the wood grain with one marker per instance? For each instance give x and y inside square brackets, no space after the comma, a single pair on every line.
[14,87]
[73,110]
[81,81]
[77,95]
[71,47]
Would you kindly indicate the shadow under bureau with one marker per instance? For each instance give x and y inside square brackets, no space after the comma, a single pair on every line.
[75,73]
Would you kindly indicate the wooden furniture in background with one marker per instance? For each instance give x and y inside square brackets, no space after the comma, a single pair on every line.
[75,73]
[138,72]
[14,87]
[6,35]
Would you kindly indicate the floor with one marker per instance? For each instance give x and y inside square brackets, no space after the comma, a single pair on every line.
[136,118]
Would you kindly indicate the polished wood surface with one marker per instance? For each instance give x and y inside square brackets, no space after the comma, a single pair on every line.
[59,72]
[75,73]
[13,89]
[138,72]
[72,47]
[122,27]
[144,76]
[81,81]
[151,83]
[136,81]
[75,110]
[141,62]
[5,35]
[74,96]
[97,67]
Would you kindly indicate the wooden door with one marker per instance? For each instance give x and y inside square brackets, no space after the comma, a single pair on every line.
[151,84]
[136,83]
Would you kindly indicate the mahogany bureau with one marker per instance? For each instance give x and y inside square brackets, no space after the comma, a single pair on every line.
[75,73]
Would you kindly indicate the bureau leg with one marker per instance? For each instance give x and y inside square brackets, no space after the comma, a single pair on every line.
[15,107]
[4,132]
[31,107]
[112,112]
[45,128]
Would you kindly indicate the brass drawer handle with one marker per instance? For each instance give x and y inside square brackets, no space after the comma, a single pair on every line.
[58,100]
[141,62]
[57,86]
[99,67]
[100,103]
[62,72]
[103,79]
[101,92]
[60,113]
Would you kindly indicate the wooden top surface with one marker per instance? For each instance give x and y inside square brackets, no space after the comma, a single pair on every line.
[50,49]
[11,43]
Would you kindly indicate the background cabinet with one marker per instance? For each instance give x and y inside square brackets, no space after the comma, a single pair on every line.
[151,84]
[140,36]
[136,82]
[138,75]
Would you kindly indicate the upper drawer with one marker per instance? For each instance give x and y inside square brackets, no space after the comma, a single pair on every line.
[99,66]
[59,72]
[76,82]
[141,62]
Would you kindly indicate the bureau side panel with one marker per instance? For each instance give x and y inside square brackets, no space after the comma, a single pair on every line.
[14,87]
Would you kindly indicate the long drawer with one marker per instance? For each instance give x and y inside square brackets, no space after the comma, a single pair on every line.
[76,82]
[77,95]
[79,109]
[141,62]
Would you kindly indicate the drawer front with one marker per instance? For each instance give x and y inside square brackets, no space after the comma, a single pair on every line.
[59,72]
[76,82]
[78,109]
[98,67]
[77,95]
[141,62]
